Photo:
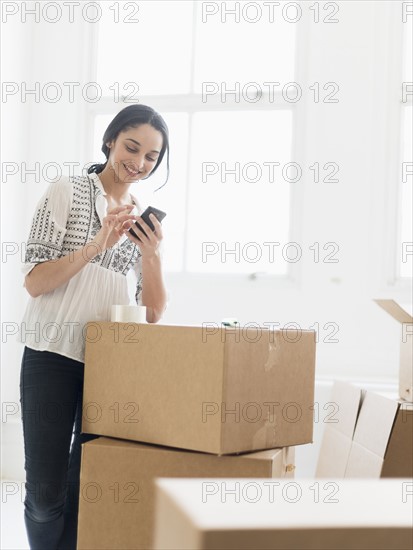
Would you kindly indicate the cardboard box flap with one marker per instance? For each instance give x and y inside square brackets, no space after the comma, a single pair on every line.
[347,399]
[363,463]
[398,460]
[339,430]
[333,455]
[400,312]
[376,411]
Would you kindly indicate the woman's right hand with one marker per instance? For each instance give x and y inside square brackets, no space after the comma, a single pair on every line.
[112,227]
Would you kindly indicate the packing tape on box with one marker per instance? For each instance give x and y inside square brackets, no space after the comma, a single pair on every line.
[272,357]
[128,314]
[266,436]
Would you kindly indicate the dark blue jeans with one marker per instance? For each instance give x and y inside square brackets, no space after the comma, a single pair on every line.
[51,392]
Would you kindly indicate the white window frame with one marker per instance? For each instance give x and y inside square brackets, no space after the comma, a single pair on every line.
[191,103]
[391,282]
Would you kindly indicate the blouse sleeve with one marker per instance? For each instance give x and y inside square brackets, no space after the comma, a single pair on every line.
[48,227]
[139,279]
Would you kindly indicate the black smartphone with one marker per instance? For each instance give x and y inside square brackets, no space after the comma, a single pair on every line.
[145,216]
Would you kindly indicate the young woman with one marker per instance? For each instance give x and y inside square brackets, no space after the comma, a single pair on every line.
[78,256]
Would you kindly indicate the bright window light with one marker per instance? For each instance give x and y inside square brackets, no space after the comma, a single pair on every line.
[237,193]
[203,201]
[150,46]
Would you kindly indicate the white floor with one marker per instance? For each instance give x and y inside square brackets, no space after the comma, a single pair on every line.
[13,530]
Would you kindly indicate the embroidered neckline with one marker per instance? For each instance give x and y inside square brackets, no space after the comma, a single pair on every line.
[95,178]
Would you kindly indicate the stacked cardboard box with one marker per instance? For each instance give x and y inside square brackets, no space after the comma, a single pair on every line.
[217,391]
[370,435]
[185,389]
[117,505]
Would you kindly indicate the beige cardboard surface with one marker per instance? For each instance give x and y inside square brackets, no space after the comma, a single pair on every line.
[347,399]
[375,422]
[363,463]
[223,392]
[334,453]
[116,507]
[339,431]
[359,514]
[403,314]
[314,539]
[383,439]
[399,312]
[382,442]
[399,453]
[406,370]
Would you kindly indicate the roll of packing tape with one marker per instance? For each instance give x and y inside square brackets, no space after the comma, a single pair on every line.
[128,314]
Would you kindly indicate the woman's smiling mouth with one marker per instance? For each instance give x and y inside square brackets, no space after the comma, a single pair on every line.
[131,172]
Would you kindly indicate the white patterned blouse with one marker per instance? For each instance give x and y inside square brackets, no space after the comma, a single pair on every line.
[67,217]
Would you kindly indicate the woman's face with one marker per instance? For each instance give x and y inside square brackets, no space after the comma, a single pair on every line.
[135,152]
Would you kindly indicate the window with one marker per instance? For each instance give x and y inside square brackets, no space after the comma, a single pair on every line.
[155,53]
[405,195]
[231,133]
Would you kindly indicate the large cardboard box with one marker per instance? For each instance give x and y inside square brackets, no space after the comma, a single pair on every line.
[339,515]
[370,435]
[116,506]
[217,390]
[403,314]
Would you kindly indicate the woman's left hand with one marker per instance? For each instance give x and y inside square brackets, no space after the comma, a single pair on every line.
[149,243]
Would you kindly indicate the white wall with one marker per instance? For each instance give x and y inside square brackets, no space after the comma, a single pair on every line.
[33,132]
[360,134]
